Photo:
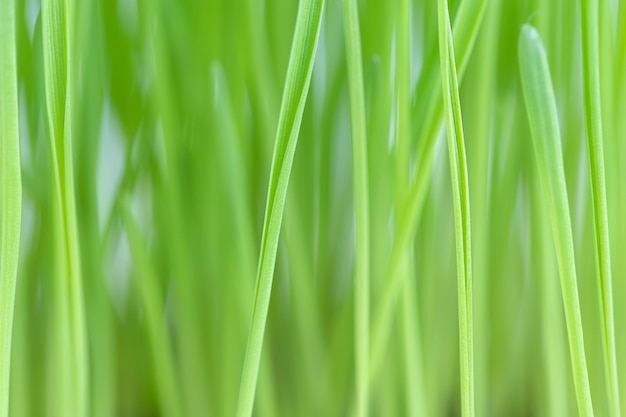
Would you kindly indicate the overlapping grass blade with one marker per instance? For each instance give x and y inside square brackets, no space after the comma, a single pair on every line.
[427,119]
[70,362]
[292,107]
[10,191]
[543,118]
[593,113]
[460,197]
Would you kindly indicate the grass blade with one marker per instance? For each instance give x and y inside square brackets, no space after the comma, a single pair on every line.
[294,98]
[543,118]
[72,400]
[151,300]
[460,196]
[361,197]
[593,113]
[10,191]
[427,119]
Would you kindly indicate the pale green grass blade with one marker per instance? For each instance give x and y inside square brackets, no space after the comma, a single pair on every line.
[73,386]
[460,197]
[152,305]
[543,119]
[593,113]
[553,329]
[10,191]
[414,384]
[294,98]
[361,202]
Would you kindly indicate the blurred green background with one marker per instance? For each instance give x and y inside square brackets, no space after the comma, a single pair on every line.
[174,120]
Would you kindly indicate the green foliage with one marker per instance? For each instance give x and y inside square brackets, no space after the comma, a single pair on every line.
[296,90]
[242,207]
[543,118]
[361,202]
[460,196]
[10,191]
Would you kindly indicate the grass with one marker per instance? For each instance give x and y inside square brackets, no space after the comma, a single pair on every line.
[71,342]
[10,192]
[543,119]
[591,79]
[460,195]
[361,198]
[234,207]
[151,302]
[292,107]
[409,212]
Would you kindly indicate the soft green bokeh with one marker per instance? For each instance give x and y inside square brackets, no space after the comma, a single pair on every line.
[173,118]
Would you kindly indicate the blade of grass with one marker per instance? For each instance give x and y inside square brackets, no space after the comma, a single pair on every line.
[427,119]
[593,115]
[10,191]
[361,198]
[294,98]
[71,339]
[460,196]
[57,20]
[543,119]
[409,312]
[151,300]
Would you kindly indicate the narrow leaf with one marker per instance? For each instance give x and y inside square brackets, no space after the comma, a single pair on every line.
[292,107]
[460,197]
[544,126]
[361,198]
[593,113]
[10,191]
[71,355]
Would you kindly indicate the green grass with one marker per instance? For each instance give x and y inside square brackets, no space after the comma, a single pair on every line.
[70,361]
[361,198]
[292,107]
[593,113]
[460,195]
[262,208]
[10,192]
[543,119]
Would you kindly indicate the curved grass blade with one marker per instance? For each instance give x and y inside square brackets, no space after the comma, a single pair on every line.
[593,113]
[294,98]
[71,339]
[361,198]
[10,191]
[543,118]
[460,197]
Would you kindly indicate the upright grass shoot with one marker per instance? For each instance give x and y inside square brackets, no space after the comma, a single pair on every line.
[409,309]
[460,197]
[152,305]
[10,191]
[427,119]
[593,113]
[290,117]
[361,198]
[543,119]
[70,335]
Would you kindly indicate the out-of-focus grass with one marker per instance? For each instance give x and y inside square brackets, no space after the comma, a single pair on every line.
[10,192]
[146,134]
